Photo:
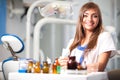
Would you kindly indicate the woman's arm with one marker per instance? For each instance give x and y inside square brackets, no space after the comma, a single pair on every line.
[103,60]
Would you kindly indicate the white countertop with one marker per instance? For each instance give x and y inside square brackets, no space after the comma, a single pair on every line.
[40,76]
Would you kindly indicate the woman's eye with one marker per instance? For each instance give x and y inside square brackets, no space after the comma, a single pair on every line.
[85,16]
[95,16]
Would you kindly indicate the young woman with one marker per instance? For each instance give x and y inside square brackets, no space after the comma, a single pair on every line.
[91,43]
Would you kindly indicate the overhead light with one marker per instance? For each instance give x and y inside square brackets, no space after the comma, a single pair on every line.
[61,9]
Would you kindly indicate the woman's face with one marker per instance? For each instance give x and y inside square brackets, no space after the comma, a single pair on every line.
[90,20]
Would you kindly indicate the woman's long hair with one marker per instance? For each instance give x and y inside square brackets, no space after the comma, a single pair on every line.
[80,34]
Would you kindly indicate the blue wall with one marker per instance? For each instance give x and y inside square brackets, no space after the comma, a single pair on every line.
[2,17]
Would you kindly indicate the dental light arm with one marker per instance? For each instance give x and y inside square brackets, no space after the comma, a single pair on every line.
[28,23]
[38,26]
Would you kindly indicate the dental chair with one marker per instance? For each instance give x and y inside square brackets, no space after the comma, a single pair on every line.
[15,45]
[114,74]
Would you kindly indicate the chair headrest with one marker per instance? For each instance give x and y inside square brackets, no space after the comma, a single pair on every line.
[14,42]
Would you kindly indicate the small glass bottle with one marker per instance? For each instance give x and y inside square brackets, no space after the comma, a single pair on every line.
[45,67]
[37,68]
[54,68]
[58,67]
[23,65]
[30,67]
[72,64]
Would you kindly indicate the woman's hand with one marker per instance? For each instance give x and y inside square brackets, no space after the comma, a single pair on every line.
[63,61]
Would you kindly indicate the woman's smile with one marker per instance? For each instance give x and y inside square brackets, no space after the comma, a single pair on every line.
[89,23]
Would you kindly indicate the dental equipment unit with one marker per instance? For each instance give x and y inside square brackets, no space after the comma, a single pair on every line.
[52,13]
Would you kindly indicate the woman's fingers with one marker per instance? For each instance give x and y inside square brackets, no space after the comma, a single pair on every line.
[63,61]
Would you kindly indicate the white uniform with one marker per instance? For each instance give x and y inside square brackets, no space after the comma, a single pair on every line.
[104,43]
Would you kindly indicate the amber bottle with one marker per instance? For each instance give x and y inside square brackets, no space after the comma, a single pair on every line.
[54,67]
[45,67]
[30,67]
[37,68]
[72,64]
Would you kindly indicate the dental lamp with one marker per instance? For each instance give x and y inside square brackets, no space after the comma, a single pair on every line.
[52,12]
[58,9]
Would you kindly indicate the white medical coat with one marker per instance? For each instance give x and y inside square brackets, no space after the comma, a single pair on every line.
[105,43]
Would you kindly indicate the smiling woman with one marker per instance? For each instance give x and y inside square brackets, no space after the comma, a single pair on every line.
[98,44]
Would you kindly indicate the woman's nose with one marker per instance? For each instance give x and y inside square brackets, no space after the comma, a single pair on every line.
[90,18]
